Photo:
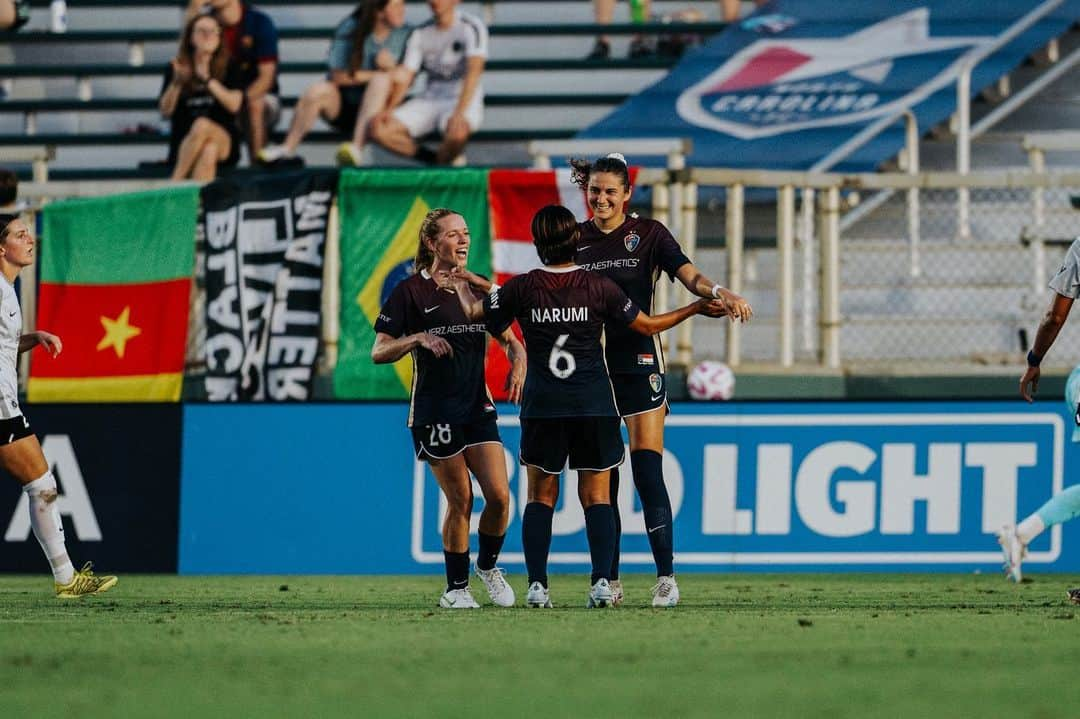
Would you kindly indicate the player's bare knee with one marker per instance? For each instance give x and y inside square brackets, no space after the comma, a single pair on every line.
[497,501]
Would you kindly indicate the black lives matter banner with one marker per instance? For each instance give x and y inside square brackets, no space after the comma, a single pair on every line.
[117,470]
[264,266]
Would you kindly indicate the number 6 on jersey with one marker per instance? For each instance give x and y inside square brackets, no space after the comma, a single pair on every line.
[559,355]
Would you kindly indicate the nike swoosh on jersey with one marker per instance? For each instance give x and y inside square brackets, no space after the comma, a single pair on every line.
[430,309]
[656,397]
[582,249]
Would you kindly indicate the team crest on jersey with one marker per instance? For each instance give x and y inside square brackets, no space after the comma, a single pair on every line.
[656,382]
[783,84]
[631,241]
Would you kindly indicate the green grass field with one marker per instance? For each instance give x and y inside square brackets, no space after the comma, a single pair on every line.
[739,645]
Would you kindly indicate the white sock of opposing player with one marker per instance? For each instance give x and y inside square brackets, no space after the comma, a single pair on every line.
[49,530]
[1030,528]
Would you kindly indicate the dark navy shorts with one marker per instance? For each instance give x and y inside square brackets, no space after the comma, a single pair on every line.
[443,441]
[639,393]
[14,429]
[586,442]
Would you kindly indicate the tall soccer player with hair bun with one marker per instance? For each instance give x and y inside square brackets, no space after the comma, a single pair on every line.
[633,252]
[451,414]
[568,412]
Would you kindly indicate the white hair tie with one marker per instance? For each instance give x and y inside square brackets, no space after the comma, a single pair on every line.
[617,156]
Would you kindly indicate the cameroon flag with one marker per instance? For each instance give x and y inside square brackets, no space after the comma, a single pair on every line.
[115,286]
[381,212]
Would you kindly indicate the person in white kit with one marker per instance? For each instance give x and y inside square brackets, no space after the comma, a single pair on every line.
[20,452]
[1064,506]
[451,50]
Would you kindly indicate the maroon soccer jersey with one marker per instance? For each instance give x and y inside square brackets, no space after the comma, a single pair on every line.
[562,313]
[633,256]
[445,390]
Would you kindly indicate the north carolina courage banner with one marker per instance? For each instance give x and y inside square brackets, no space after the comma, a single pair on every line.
[264,267]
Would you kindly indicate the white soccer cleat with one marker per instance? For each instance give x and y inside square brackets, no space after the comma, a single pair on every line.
[665,593]
[538,596]
[600,595]
[497,587]
[616,591]
[458,599]
[1013,550]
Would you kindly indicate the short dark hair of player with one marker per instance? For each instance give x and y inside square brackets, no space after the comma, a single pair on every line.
[9,186]
[555,234]
[5,222]
[429,230]
[580,170]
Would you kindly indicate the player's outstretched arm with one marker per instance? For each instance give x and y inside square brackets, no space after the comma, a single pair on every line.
[478,281]
[695,281]
[48,340]
[652,324]
[470,305]
[1051,324]
[390,349]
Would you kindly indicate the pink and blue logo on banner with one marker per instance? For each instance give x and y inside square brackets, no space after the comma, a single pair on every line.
[790,84]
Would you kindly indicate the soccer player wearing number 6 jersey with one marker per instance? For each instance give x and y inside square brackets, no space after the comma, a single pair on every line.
[568,412]
[450,412]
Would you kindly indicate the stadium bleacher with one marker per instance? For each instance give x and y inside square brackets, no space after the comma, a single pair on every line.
[91,92]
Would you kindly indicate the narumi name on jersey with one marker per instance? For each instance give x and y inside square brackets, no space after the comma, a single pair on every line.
[560,314]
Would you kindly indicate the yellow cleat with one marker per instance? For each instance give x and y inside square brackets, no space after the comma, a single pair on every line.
[84,582]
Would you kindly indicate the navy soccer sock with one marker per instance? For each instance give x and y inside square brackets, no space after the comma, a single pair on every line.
[600,529]
[618,522]
[457,569]
[490,546]
[536,540]
[656,506]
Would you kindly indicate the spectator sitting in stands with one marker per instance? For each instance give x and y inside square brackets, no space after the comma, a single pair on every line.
[251,38]
[604,12]
[9,192]
[367,45]
[14,14]
[202,93]
[451,49]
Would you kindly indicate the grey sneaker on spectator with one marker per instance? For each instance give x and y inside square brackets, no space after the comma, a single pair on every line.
[272,153]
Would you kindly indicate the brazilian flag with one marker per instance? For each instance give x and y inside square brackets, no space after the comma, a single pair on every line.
[381,212]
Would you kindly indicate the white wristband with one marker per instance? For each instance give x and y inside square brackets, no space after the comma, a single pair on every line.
[716,290]
[494,288]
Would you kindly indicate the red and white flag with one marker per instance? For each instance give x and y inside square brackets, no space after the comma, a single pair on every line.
[514,196]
